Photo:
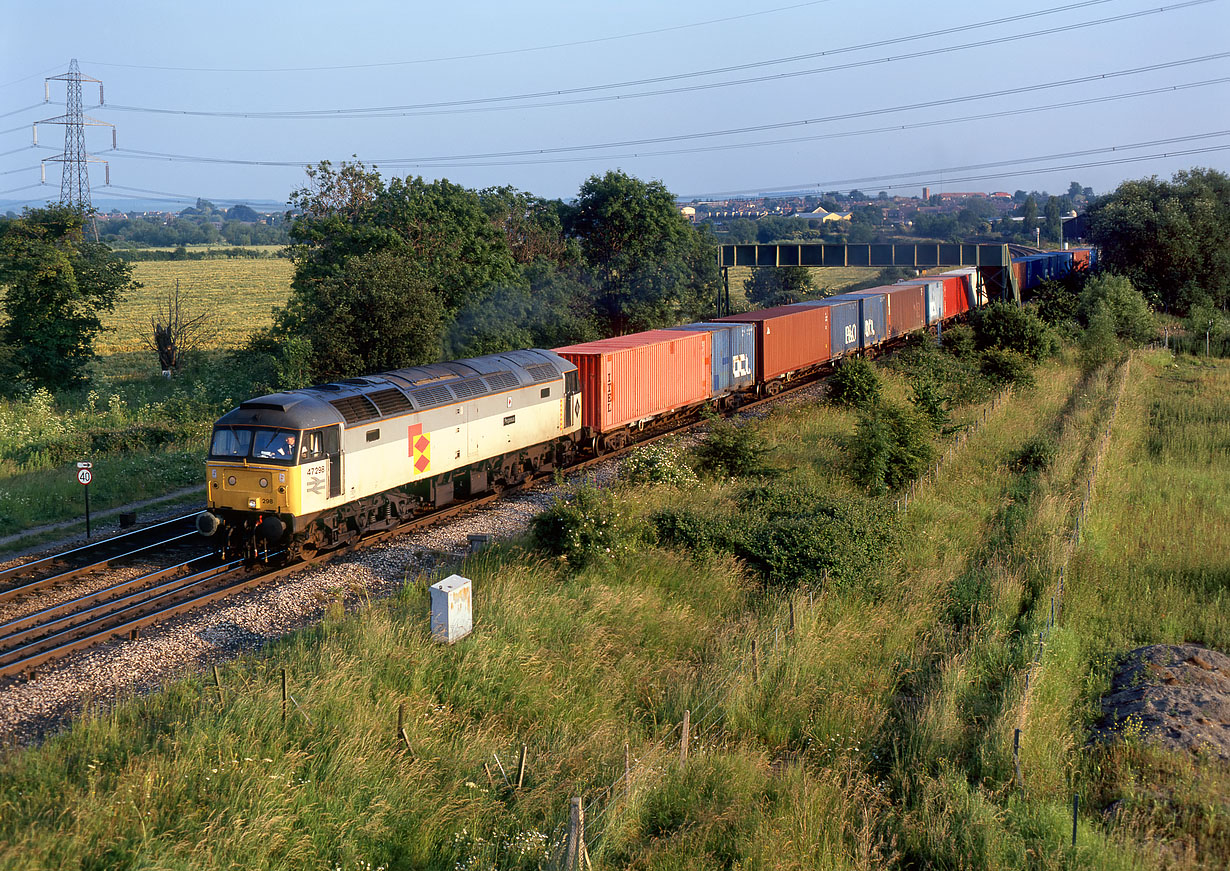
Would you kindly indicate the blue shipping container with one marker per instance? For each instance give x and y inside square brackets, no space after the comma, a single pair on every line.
[734,354]
[843,322]
[873,315]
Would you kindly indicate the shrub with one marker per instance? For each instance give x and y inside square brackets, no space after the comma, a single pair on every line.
[855,383]
[582,527]
[1001,367]
[958,340]
[730,450]
[796,536]
[892,447]
[1034,456]
[657,464]
[1129,313]
[685,527]
[930,400]
[1100,342]
[1011,328]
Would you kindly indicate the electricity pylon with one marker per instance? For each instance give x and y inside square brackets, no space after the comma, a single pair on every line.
[75,177]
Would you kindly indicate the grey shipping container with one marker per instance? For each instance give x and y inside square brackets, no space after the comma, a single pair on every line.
[734,354]
[843,322]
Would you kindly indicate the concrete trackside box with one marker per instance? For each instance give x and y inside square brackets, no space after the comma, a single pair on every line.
[626,379]
[788,338]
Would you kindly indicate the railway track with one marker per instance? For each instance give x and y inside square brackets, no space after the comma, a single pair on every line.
[127,607]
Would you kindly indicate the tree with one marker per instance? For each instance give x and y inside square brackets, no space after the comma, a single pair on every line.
[1075,191]
[651,267]
[1115,297]
[1054,221]
[1171,238]
[379,310]
[178,331]
[442,228]
[1029,215]
[769,286]
[56,286]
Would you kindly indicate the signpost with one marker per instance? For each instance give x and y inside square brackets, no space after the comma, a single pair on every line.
[85,476]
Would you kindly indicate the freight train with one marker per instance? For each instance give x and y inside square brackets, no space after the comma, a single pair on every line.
[319,467]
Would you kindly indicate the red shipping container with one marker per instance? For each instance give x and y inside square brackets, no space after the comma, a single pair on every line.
[788,338]
[955,299]
[629,378]
[907,307]
[1080,258]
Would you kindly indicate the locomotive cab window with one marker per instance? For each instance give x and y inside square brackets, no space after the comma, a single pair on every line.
[313,447]
[230,442]
[266,445]
[278,445]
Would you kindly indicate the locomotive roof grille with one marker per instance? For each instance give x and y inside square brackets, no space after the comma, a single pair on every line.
[355,409]
[469,388]
[542,372]
[502,381]
[391,402]
[427,397]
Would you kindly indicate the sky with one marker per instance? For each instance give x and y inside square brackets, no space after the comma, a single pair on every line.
[231,100]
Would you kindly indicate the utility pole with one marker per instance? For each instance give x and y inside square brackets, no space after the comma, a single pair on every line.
[75,177]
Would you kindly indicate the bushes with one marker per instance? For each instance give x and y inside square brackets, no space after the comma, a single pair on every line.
[1116,298]
[892,447]
[796,535]
[855,383]
[791,534]
[730,451]
[1034,456]
[582,527]
[1011,328]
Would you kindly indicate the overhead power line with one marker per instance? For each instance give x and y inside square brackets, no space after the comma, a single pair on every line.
[502,103]
[909,178]
[475,56]
[541,153]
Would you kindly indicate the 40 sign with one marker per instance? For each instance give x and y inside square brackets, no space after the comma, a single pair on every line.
[85,476]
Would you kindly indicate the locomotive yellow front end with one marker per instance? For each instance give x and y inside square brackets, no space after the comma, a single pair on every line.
[254,475]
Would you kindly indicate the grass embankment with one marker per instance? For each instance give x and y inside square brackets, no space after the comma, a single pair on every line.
[877,733]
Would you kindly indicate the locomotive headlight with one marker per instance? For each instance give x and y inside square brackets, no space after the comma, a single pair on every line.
[231,480]
[264,482]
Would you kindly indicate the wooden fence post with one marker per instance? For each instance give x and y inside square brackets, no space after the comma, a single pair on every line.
[521,767]
[283,695]
[683,736]
[577,857]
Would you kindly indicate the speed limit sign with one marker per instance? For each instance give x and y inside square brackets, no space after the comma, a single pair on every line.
[85,476]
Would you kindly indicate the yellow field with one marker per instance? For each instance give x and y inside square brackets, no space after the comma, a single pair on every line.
[829,278]
[239,293]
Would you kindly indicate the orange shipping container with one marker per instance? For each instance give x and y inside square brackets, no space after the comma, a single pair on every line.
[631,378]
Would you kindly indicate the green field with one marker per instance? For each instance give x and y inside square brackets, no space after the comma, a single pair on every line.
[240,293]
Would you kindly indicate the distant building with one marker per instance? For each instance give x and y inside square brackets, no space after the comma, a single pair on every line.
[689,213]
